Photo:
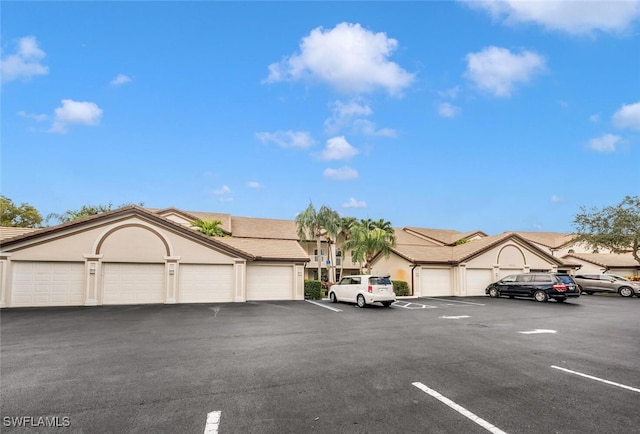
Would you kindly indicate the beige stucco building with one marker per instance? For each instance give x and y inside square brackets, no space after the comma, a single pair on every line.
[135,255]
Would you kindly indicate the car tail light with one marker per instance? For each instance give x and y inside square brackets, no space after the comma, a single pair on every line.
[560,287]
[370,288]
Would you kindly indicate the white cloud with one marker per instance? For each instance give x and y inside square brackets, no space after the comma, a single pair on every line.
[34,116]
[348,57]
[353,203]
[351,115]
[222,190]
[25,63]
[574,17]
[225,199]
[450,93]
[555,199]
[368,128]
[343,115]
[595,118]
[606,143]
[75,112]
[287,139]
[338,148]
[498,70]
[120,79]
[628,116]
[341,174]
[254,184]
[447,110]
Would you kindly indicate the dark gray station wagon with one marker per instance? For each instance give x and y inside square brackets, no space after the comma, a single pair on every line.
[540,286]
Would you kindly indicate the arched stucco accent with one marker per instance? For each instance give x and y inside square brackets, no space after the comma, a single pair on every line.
[102,238]
[509,255]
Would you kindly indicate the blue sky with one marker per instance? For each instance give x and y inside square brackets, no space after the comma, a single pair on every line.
[488,115]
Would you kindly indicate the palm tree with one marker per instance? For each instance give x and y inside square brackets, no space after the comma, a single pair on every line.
[366,242]
[212,228]
[383,224]
[312,224]
[345,225]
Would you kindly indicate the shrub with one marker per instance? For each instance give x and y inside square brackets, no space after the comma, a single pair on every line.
[400,287]
[312,289]
[634,278]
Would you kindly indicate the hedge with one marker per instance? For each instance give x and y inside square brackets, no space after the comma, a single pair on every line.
[400,287]
[312,289]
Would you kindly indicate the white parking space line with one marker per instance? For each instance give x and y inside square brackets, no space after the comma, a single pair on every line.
[455,317]
[538,331]
[410,305]
[591,377]
[323,305]
[454,301]
[213,421]
[463,411]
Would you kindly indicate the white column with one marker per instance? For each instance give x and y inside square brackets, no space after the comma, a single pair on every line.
[171,278]
[240,280]
[4,281]
[93,278]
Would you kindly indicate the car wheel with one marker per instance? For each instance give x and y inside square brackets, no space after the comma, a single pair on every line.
[625,291]
[493,292]
[333,298]
[361,302]
[540,296]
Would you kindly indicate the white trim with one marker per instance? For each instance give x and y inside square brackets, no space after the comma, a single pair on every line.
[591,377]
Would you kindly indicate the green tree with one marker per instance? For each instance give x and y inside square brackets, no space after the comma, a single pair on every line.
[367,241]
[344,228]
[212,228]
[616,228]
[21,216]
[85,211]
[313,224]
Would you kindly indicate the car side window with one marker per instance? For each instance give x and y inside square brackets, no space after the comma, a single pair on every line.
[508,279]
[345,281]
[542,278]
[355,280]
[524,278]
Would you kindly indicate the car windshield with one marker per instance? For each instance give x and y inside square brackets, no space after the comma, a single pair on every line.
[379,281]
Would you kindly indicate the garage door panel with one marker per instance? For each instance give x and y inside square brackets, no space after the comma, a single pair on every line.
[435,282]
[477,280]
[270,283]
[133,283]
[48,284]
[205,283]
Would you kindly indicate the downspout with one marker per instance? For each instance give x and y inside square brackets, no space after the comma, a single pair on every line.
[412,270]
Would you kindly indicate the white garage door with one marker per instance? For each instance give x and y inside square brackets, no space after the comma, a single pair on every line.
[477,280]
[205,283]
[269,282]
[132,283]
[435,282]
[48,284]
[503,272]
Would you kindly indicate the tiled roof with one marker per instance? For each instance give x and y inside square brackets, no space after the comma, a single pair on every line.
[268,248]
[623,260]
[406,238]
[459,253]
[7,232]
[444,236]
[250,227]
[549,239]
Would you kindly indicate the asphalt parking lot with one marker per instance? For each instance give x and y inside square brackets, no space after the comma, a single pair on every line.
[445,365]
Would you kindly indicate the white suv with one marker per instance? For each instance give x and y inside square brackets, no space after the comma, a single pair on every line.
[363,289]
